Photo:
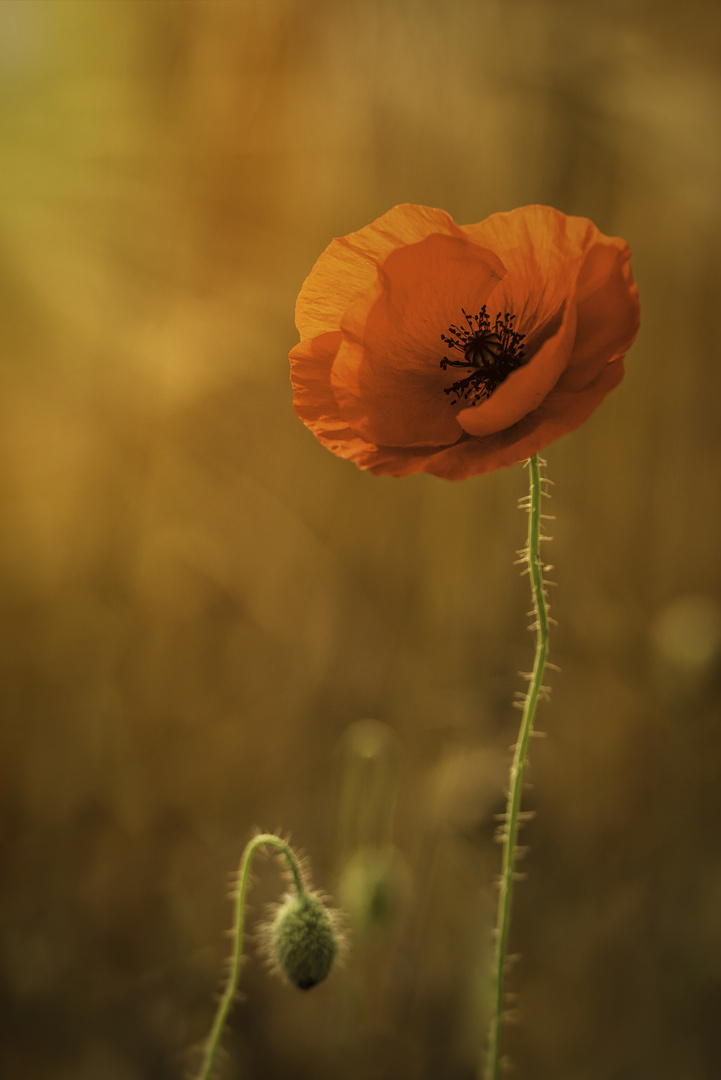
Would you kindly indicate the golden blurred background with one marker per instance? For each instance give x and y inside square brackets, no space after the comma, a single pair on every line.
[211,624]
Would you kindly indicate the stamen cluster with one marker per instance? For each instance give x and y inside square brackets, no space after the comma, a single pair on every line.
[493,353]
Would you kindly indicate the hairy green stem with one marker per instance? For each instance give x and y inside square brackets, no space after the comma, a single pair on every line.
[211,1047]
[512,816]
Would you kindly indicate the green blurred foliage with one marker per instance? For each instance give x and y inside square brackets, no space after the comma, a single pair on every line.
[199,600]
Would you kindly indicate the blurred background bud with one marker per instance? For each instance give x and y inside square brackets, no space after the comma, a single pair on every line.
[686,640]
[374,887]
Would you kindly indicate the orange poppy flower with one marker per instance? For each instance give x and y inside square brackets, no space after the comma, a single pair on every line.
[455,350]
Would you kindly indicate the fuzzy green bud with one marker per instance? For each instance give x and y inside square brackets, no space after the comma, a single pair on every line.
[304,941]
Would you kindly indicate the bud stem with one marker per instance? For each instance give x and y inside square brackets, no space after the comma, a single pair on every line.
[211,1048]
[513,806]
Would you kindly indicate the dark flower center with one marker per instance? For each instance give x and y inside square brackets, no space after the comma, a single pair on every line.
[493,352]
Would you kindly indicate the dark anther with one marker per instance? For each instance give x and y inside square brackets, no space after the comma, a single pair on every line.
[492,352]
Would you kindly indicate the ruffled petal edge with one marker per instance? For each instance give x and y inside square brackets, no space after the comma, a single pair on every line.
[348,266]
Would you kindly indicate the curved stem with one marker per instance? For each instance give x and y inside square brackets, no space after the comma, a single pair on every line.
[211,1048]
[513,806]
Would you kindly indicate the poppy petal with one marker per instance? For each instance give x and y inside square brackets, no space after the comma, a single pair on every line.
[313,399]
[348,266]
[608,313]
[525,389]
[387,374]
[315,404]
[542,250]
[561,413]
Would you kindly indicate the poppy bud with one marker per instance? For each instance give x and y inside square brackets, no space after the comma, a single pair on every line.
[374,887]
[303,939]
